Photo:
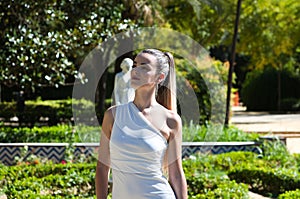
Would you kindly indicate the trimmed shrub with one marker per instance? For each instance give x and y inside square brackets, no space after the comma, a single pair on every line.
[53,111]
[200,163]
[78,133]
[290,194]
[214,185]
[226,175]
[47,134]
[266,181]
[273,173]
[77,181]
[260,90]
[213,133]
[265,174]
[47,181]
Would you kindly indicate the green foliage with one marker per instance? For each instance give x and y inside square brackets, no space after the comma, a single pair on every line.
[226,175]
[212,133]
[55,111]
[264,25]
[260,90]
[275,172]
[268,34]
[78,133]
[215,185]
[269,31]
[201,163]
[43,43]
[208,22]
[290,194]
[270,174]
[276,155]
[207,85]
[77,181]
[296,156]
[207,178]
[52,134]
[49,181]
[266,181]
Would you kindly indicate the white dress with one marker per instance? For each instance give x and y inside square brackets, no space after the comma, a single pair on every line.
[136,152]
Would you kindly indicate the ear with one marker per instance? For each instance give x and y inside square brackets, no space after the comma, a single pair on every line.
[161,78]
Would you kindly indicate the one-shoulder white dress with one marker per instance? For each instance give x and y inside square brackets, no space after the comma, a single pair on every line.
[137,151]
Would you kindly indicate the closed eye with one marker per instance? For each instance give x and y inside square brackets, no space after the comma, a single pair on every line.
[142,65]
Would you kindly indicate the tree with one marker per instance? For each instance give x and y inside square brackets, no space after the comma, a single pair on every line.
[43,43]
[232,62]
[208,22]
[270,34]
[269,29]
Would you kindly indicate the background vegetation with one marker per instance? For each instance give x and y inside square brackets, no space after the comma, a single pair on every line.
[275,173]
[44,43]
[70,134]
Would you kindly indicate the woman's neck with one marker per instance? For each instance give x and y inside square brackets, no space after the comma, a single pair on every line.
[144,100]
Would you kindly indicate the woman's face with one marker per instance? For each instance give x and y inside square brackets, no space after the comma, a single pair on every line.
[144,71]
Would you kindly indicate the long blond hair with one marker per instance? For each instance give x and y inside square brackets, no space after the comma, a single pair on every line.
[166,91]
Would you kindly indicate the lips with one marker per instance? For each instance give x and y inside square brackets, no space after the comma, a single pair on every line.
[134,78]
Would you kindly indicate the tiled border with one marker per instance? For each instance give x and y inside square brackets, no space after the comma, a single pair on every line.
[56,151]
[189,148]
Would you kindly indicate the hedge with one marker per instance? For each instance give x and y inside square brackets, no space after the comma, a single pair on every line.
[260,90]
[54,111]
[290,194]
[48,181]
[49,134]
[211,133]
[77,181]
[214,185]
[266,181]
[80,133]
[269,174]
[226,175]
[201,163]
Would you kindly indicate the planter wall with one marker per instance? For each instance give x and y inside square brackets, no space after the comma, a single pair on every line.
[189,148]
[57,151]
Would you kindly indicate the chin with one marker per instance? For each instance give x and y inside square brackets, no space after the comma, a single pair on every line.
[134,86]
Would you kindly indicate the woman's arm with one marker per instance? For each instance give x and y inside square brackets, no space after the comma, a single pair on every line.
[103,164]
[175,170]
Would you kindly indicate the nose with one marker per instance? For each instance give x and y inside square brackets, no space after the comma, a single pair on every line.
[133,71]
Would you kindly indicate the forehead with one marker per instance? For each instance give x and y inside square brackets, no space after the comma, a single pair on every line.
[145,58]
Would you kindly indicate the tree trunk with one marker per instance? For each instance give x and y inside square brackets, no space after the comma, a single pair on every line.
[232,60]
[279,90]
[101,96]
[101,88]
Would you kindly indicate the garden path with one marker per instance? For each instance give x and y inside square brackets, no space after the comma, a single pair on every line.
[285,126]
[256,196]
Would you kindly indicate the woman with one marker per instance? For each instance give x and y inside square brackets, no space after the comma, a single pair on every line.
[142,139]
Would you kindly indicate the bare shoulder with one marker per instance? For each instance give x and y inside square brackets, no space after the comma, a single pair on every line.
[108,120]
[110,112]
[174,121]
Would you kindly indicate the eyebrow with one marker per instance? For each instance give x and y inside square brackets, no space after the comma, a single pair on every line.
[142,63]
